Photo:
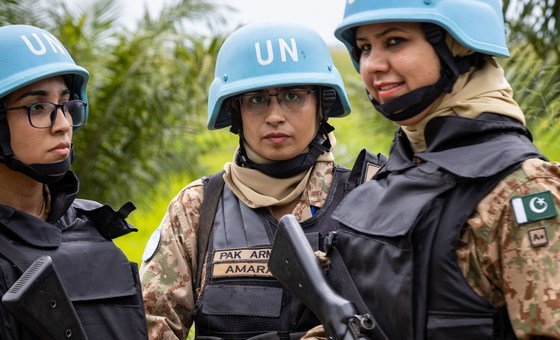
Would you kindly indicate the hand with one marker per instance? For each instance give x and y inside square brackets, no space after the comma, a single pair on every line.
[316,333]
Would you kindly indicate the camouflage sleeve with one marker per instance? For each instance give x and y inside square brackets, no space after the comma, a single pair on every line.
[515,254]
[169,266]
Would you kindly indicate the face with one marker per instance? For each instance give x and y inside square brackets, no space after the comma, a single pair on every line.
[39,146]
[279,132]
[395,58]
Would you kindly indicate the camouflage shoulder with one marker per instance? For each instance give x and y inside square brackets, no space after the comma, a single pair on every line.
[530,239]
[194,191]
[185,205]
[533,176]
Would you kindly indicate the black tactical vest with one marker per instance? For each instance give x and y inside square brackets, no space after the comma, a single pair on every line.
[399,232]
[241,299]
[101,283]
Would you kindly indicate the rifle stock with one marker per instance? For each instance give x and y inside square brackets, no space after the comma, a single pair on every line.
[293,263]
[39,301]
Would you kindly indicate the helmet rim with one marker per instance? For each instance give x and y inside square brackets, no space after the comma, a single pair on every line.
[219,118]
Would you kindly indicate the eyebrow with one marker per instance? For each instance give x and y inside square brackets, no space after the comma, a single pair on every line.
[39,93]
[384,32]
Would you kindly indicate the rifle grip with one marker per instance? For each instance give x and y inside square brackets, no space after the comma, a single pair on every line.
[293,263]
[39,301]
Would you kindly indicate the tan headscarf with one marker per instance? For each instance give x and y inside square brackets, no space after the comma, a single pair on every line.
[257,189]
[474,92]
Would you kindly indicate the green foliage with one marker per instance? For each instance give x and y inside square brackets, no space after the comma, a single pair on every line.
[536,85]
[536,22]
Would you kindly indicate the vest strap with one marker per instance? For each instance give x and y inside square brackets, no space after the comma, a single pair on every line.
[213,187]
[13,255]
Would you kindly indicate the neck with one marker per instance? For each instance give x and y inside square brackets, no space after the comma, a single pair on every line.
[21,192]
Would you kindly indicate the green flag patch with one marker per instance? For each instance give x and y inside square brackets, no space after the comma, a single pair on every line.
[534,207]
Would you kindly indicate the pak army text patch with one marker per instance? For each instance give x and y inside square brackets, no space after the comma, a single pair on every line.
[533,207]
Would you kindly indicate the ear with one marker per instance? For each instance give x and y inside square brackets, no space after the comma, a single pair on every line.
[233,110]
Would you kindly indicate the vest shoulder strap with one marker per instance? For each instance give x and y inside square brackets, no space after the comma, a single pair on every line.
[213,186]
[13,255]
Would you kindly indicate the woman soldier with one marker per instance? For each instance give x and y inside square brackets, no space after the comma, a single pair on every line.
[42,102]
[276,86]
[467,244]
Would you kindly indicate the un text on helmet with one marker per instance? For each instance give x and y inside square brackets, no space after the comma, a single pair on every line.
[39,48]
[282,46]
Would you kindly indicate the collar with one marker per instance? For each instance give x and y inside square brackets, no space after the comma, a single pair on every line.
[28,228]
[63,194]
[34,231]
[470,148]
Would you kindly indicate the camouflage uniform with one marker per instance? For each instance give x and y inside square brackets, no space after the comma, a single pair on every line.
[517,265]
[167,277]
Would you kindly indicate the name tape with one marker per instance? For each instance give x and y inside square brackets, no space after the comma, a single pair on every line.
[241,269]
[235,255]
[246,262]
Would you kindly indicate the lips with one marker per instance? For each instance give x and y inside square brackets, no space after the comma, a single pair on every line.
[61,150]
[276,137]
[388,90]
[61,146]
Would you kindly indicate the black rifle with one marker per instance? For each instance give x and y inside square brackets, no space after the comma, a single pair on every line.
[39,301]
[293,263]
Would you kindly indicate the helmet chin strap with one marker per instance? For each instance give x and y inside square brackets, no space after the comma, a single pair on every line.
[303,162]
[416,101]
[45,173]
[293,166]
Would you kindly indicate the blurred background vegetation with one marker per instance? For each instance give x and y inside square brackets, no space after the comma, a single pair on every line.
[146,136]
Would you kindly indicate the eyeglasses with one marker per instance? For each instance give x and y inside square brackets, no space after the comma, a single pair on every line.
[43,115]
[289,100]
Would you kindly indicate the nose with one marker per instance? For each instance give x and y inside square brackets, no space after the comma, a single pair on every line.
[374,63]
[274,111]
[61,121]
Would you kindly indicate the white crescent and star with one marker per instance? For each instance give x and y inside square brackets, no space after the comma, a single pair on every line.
[538,201]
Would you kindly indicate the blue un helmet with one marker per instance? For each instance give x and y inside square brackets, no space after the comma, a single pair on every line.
[484,36]
[34,54]
[30,54]
[272,54]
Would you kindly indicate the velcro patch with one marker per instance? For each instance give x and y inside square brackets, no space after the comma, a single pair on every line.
[371,170]
[247,254]
[534,207]
[152,245]
[238,269]
[246,262]
[538,237]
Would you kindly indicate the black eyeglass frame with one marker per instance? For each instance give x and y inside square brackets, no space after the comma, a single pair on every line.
[239,98]
[53,114]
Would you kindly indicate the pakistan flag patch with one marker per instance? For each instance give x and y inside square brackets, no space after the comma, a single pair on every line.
[533,207]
